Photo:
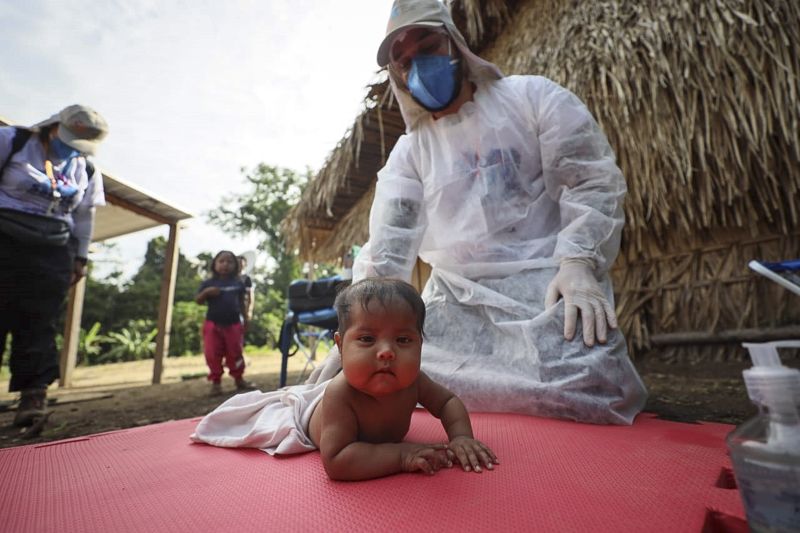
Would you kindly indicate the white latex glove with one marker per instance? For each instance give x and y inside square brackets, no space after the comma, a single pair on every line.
[575,281]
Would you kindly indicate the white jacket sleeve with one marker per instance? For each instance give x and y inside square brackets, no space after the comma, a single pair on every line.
[397,220]
[82,227]
[84,214]
[581,173]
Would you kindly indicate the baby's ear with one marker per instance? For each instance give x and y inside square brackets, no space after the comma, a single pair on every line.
[338,340]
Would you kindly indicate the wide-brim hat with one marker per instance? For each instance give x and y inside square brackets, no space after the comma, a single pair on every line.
[410,14]
[79,126]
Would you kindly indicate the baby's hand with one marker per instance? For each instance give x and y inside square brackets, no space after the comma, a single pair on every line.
[428,458]
[471,453]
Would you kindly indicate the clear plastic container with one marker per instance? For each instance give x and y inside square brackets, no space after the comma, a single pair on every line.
[765,450]
[768,481]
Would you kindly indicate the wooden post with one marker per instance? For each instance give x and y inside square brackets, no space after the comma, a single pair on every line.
[420,274]
[726,337]
[72,333]
[165,305]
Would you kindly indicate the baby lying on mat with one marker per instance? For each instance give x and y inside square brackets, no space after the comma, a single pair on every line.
[359,421]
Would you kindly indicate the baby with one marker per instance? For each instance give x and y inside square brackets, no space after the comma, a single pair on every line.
[358,419]
[366,409]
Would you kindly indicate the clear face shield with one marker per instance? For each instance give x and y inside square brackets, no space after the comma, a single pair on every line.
[423,58]
[417,41]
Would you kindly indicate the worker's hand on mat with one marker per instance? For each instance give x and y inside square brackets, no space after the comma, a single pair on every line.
[472,453]
[428,458]
[575,281]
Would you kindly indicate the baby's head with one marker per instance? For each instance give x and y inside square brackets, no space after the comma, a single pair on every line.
[380,335]
[390,294]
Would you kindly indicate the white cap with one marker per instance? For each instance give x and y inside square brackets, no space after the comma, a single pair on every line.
[769,383]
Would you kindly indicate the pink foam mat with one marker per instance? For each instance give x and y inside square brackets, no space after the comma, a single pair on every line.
[554,476]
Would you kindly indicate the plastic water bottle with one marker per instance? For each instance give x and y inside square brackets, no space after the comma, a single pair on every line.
[765,450]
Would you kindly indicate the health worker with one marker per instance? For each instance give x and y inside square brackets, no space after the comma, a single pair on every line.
[508,188]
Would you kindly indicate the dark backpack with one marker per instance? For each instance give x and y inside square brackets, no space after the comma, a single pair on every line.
[305,295]
[21,136]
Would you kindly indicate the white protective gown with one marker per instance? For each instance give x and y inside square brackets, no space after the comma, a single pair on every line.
[493,197]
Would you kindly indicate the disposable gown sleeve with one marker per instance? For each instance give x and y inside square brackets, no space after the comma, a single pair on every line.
[397,220]
[580,172]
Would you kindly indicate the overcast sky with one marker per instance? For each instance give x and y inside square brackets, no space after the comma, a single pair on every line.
[193,90]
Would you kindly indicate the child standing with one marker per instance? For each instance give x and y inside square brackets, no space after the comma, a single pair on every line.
[223,328]
[359,418]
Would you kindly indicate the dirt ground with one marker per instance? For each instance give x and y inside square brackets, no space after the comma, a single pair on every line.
[117,396]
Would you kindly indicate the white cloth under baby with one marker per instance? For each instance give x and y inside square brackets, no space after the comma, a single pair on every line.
[275,421]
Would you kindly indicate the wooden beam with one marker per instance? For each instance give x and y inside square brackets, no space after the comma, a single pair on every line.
[165,305]
[72,333]
[420,274]
[725,337]
[125,204]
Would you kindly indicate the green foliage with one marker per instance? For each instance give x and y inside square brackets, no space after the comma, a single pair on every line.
[5,354]
[89,344]
[272,192]
[128,310]
[101,302]
[131,343]
[187,323]
[140,297]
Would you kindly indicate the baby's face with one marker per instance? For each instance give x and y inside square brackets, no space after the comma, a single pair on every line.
[381,348]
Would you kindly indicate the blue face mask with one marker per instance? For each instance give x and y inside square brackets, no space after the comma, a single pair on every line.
[61,149]
[433,81]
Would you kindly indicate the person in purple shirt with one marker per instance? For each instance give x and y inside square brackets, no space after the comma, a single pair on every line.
[49,189]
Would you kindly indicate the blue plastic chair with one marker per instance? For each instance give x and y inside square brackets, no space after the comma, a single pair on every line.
[320,325]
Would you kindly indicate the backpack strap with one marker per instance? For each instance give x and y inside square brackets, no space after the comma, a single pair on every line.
[21,136]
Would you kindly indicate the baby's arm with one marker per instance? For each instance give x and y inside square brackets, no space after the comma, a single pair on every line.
[448,408]
[347,459]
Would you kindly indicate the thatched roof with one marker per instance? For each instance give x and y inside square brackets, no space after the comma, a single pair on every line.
[699,100]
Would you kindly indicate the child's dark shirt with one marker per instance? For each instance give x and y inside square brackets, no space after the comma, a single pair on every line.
[226,308]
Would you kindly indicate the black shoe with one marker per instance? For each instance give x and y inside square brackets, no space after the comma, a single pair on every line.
[32,406]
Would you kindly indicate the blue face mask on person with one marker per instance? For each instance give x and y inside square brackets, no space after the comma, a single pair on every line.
[61,149]
[433,81]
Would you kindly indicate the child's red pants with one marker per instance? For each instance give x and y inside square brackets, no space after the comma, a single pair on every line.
[223,342]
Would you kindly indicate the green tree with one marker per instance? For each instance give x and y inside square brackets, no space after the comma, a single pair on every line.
[271,193]
[131,343]
[187,322]
[101,301]
[89,344]
[125,308]
[140,297]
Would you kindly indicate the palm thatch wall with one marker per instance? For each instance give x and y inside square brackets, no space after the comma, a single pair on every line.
[699,100]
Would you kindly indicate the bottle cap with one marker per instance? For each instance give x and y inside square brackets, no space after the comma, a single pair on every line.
[769,383]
